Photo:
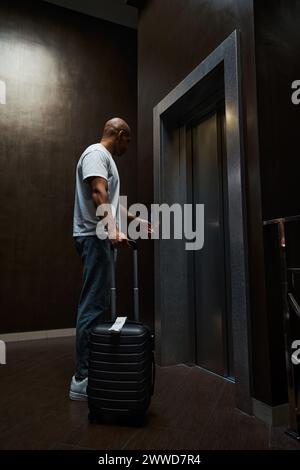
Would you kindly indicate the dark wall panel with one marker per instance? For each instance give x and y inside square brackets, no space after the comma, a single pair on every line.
[277,35]
[277,42]
[65,75]
[174,37]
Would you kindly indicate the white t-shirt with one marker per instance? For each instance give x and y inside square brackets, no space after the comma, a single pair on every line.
[96,160]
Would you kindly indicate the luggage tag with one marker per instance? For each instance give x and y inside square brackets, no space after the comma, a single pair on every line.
[118,324]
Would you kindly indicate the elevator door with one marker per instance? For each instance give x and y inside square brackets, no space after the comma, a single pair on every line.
[213,345]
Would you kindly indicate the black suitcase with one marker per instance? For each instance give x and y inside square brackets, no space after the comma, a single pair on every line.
[121,365]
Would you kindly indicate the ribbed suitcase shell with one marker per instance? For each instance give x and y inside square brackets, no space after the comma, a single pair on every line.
[121,370]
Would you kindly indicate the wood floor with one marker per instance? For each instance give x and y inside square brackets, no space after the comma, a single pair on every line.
[191,409]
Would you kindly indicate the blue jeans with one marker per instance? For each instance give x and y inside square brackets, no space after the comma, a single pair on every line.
[95,295]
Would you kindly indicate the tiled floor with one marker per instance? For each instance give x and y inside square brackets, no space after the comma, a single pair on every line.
[191,409]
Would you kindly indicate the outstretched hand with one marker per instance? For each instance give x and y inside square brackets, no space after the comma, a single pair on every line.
[145,223]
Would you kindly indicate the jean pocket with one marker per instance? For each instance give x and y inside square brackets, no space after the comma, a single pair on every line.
[78,244]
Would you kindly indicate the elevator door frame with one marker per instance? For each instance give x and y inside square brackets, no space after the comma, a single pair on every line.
[173,330]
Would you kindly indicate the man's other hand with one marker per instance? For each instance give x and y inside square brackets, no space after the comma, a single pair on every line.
[118,238]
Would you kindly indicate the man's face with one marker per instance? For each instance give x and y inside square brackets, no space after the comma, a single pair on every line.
[122,143]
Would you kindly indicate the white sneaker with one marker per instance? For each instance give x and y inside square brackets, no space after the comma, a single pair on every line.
[78,389]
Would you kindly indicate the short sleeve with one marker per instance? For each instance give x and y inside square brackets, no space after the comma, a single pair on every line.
[95,164]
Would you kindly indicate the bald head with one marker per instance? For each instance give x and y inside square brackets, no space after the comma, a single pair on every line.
[114,126]
[116,136]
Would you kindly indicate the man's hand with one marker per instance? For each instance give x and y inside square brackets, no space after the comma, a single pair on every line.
[145,223]
[118,238]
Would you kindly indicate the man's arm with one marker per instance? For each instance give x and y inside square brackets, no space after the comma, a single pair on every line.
[131,217]
[128,214]
[99,191]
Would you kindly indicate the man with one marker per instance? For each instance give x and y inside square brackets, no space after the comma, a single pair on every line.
[97,182]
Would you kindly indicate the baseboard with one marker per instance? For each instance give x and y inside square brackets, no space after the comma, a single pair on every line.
[272,415]
[43,334]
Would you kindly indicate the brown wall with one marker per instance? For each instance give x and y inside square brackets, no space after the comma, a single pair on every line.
[175,36]
[277,36]
[65,74]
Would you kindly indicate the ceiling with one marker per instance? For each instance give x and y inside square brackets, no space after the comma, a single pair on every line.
[116,11]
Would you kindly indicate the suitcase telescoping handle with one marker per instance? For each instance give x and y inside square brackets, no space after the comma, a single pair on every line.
[133,245]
